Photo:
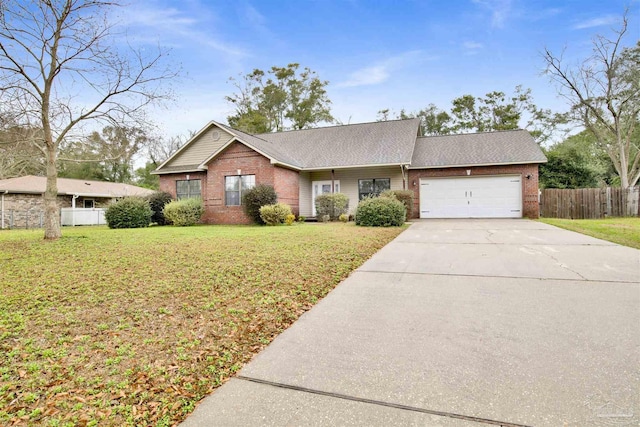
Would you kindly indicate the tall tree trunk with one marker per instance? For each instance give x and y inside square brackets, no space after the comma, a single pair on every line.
[52,229]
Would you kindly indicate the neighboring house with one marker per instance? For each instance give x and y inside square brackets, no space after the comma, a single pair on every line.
[21,198]
[492,174]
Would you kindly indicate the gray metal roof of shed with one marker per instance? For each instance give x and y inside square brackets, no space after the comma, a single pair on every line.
[475,149]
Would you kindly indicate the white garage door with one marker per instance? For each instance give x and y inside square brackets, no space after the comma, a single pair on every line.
[471,197]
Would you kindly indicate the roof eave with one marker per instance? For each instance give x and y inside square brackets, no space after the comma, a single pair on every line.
[161,172]
[193,138]
[354,166]
[469,165]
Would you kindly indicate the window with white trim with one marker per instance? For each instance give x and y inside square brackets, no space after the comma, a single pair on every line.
[372,187]
[235,186]
[186,189]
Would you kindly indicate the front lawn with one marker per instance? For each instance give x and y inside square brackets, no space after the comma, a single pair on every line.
[624,231]
[133,327]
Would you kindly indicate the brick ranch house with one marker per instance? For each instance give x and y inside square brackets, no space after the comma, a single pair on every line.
[481,175]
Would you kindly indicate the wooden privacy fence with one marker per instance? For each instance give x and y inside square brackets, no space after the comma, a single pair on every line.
[589,203]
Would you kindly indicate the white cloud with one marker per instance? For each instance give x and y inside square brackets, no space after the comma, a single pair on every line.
[380,72]
[596,22]
[175,28]
[500,10]
[471,45]
[367,76]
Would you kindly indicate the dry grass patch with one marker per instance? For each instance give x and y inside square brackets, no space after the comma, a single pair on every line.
[133,327]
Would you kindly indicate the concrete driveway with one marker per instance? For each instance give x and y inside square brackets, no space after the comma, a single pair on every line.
[458,323]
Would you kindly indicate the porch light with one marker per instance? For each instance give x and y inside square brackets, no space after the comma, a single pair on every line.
[468,171]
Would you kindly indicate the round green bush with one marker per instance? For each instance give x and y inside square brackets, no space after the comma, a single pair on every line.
[257,197]
[157,201]
[275,214]
[380,212]
[130,212]
[184,212]
[405,196]
[332,204]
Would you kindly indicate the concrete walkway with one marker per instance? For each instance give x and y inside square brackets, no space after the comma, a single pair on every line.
[457,323]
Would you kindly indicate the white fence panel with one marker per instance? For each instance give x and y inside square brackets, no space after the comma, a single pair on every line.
[82,216]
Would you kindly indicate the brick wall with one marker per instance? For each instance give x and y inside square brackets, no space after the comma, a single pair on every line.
[26,210]
[287,185]
[236,157]
[168,182]
[530,208]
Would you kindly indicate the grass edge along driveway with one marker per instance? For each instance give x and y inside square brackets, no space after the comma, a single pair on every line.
[134,327]
[623,231]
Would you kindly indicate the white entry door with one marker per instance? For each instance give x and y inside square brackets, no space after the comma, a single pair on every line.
[471,197]
[322,187]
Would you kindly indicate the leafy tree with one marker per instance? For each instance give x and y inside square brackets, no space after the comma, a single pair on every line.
[493,112]
[60,67]
[279,99]
[18,155]
[144,177]
[577,162]
[604,94]
[105,156]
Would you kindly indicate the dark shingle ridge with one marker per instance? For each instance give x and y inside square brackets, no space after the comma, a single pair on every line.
[333,126]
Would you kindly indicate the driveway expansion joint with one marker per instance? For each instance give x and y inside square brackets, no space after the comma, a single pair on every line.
[381,403]
[540,279]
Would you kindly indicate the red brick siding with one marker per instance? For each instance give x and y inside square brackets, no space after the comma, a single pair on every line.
[530,205]
[168,182]
[287,185]
[236,156]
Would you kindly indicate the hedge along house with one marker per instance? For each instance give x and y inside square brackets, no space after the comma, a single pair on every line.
[451,176]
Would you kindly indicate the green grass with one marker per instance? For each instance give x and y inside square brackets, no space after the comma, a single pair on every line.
[624,231]
[133,327]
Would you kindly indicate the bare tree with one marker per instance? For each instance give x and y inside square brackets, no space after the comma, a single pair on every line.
[604,93]
[62,66]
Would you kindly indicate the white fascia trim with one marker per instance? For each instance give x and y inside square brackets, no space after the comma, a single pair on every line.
[235,138]
[193,138]
[157,172]
[324,168]
[477,165]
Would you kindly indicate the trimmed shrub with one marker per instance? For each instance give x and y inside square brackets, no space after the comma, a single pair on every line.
[380,212]
[157,201]
[344,218]
[130,212]
[405,196]
[333,205]
[184,212]
[257,197]
[275,214]
[302,218]
[290,219]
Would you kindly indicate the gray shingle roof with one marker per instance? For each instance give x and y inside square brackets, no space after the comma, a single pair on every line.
[489,148]
[376,143]
[272,150]
[37,185]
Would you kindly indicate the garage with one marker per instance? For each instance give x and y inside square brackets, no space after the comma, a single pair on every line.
[471,197]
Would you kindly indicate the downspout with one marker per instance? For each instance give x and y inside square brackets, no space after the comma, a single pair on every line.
[2,208]
[404,179]
[73,210]
[333,187]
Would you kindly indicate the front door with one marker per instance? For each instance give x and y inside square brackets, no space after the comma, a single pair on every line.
[322,187]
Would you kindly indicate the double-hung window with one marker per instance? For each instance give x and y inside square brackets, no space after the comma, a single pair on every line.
[186,189]
[235,186]
[372,187]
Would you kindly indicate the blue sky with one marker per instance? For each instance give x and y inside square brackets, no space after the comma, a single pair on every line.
[375,54]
